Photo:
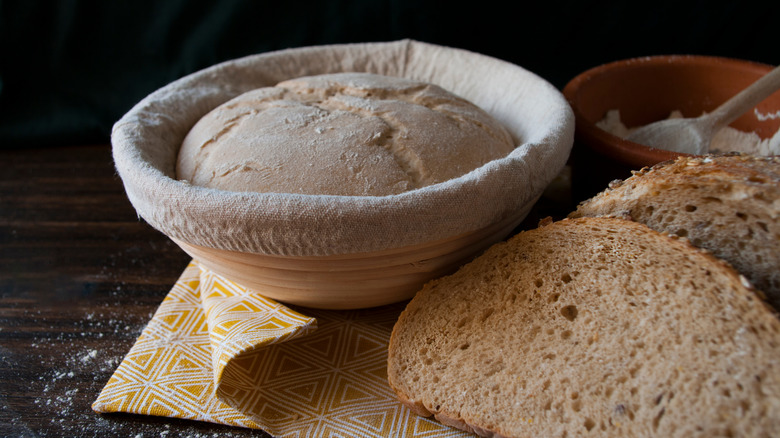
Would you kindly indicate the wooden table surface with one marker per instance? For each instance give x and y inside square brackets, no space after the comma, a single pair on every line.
[80,276]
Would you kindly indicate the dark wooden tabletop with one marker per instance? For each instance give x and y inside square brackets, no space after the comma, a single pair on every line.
[80,276]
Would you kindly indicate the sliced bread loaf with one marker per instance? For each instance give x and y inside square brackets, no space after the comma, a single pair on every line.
[728,205]
[591,326]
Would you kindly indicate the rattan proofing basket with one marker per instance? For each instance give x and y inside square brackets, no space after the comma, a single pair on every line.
[344,252]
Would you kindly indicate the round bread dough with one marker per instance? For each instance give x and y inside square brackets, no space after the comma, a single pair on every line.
[354,134]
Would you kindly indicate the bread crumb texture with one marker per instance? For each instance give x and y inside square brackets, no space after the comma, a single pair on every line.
[726,204]
[591,327]
[340,134]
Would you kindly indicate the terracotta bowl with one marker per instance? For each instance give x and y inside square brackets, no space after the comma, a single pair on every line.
[342,252]
[646,90]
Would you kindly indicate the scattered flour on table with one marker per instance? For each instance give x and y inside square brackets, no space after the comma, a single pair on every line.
[75,376]
[727,140]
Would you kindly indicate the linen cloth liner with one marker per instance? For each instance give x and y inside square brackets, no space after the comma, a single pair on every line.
[216,352]
[146,142]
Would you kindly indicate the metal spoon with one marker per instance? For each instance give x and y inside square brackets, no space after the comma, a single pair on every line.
[693,135]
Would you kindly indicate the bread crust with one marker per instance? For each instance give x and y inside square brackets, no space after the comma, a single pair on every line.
[446,418]
[727,204]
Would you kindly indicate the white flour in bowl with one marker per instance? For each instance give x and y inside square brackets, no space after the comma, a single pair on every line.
[727,139]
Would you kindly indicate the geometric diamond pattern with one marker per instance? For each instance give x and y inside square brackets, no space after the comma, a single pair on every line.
[215,351]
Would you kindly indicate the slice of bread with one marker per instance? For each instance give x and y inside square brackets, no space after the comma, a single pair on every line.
[728,205]
[591,326]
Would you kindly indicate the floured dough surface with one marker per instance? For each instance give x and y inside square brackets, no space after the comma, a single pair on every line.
[354,134]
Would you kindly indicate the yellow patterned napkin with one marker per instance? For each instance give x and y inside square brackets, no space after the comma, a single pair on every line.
[215,351]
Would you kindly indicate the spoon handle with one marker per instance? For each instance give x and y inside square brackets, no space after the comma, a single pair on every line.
[746,99]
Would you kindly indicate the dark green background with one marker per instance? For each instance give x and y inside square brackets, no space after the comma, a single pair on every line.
[70,69]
